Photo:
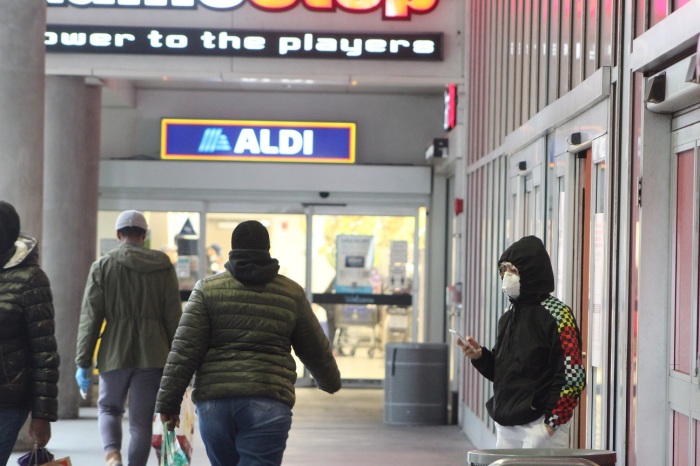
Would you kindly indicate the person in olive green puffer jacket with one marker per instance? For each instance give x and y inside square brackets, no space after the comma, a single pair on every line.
[236,337]
[29,359]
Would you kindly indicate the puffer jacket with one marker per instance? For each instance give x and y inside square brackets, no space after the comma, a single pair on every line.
[135,293]
[536,364]
[236,336]
[28,357]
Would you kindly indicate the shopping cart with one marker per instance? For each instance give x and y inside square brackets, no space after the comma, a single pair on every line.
[356,326]
[396,324]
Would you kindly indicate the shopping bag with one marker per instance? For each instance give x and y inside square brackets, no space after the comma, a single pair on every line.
[42,457]
[38,456]
[170,452]
[184,432]
[59,462]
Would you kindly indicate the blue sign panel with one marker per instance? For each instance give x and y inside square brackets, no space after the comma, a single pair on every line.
[257,141]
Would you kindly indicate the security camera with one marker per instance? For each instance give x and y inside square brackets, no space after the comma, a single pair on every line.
[324,194]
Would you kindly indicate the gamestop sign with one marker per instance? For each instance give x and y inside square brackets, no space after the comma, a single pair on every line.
[391,9]
[257,141]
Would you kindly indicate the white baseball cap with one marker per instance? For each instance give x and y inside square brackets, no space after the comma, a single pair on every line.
[131,218]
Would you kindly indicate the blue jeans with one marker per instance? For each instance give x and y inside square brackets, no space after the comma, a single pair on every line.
[244,431]
[11,422]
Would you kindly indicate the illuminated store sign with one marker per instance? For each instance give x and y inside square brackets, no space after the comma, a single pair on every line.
[450,120]
[391,9]
[242,43]
[257,141]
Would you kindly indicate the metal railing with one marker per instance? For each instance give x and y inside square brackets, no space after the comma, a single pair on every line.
[541,461]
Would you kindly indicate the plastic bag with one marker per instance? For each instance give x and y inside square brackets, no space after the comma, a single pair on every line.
[170,452]
[184,433]
[36,457]
[59,462]
[42,457]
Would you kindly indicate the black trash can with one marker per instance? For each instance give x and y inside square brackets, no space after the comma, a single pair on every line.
[415,383]
[487,457]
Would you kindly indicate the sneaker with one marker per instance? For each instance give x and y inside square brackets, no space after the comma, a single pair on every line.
[114,458]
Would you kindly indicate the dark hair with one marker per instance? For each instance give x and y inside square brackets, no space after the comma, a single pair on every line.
[132,232]
[9,226]
[250,234]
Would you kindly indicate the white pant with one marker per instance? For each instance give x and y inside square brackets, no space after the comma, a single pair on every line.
[532,435]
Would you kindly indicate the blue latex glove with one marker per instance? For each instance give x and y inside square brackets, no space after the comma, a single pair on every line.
[82,376]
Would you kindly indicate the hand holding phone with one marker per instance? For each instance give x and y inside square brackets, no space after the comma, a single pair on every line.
[470,347]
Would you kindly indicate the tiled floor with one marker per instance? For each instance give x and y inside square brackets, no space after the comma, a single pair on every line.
[343,429]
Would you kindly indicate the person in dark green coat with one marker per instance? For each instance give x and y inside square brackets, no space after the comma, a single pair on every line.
[134,292]
[236,337]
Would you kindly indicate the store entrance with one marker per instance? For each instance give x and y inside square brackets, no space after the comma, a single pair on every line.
[363,271]
[359,271]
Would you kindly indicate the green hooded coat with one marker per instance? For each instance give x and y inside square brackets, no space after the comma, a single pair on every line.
[135,292]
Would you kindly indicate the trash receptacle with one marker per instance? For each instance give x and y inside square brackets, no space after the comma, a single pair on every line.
[542,461]
[488,457]
[415,383]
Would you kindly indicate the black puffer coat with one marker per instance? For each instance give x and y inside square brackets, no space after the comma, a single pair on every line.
[28,356]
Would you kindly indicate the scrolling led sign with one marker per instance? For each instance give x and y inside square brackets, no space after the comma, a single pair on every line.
[242,43]
[257,141]
[391,9]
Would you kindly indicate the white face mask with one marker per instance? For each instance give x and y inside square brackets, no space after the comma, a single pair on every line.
[511,285]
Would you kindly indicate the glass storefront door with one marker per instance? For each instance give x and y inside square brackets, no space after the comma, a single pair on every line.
[360,271]
[363,272]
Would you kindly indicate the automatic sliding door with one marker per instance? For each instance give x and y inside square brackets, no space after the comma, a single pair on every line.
[363,268]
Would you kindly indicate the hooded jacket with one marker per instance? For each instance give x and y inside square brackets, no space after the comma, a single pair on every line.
[28,357]
[135,293]
[536,365]
[237,333]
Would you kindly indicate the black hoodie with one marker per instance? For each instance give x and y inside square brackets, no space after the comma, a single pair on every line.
[535,365]
[252,266]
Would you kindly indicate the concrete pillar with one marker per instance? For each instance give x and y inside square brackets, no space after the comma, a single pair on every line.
[71,169]
[22,58]
[22,52]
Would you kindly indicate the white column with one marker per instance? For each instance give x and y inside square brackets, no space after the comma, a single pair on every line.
[71,170]
[22,51]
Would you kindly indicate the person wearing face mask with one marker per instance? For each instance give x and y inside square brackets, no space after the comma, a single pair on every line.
[536,365]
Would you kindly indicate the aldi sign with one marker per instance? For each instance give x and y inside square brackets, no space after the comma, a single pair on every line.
[258,141]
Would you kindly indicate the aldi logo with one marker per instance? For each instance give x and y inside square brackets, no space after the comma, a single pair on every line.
[258,141]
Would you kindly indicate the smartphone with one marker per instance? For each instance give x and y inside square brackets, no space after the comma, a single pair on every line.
[461,337]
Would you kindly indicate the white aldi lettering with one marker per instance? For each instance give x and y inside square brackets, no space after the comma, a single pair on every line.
[250,141]
[290,142]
